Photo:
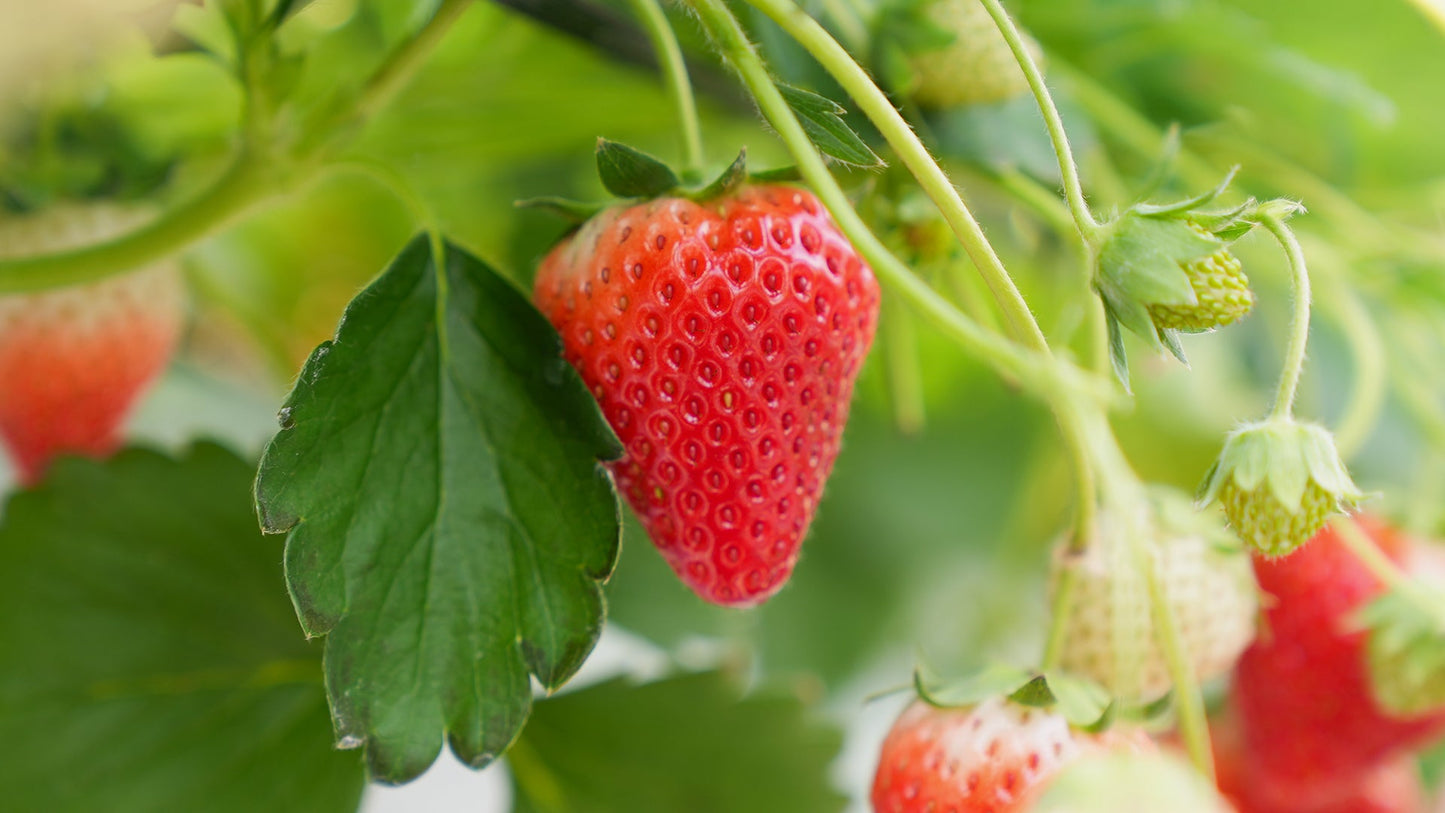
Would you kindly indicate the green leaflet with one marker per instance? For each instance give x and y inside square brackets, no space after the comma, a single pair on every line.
[449,523]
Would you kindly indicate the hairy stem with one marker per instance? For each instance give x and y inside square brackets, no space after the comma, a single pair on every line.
[679,87]
[1068,169]
[914,155]
[1188,701]
[1294,360]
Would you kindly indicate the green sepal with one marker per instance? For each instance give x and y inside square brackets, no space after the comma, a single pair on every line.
[787,174]
[1406,647]
[822,120]
[1081,701]
[573,211]
[630,173]
[1186,208]
[1118,356]
[1284,456]
[1170,339]
[735,175]
[991,681]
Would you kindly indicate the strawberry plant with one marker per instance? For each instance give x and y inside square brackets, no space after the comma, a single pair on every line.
[721,405]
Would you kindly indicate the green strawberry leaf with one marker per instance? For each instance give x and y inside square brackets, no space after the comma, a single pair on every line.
[151,658]
[673,745]
[631,173]
[449,523]
[822,119]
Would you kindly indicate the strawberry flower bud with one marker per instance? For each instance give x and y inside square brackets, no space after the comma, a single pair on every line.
[1278,481]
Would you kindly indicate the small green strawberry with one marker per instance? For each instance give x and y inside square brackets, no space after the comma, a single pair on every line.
[956,54]
[1109,633]
[1278,481]
[1221,292]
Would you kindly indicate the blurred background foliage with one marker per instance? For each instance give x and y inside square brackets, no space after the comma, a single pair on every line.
[930,545]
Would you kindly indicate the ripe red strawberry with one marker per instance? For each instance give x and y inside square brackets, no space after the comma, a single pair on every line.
[995,757]
[722,340]
[73,360]
[1308,715]
[1392,787]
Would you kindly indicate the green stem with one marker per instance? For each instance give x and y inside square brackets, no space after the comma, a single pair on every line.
[256,175]
[905,378]
[850,24]
[1359,544]
[674,75]
[1294,360]
[1188,700]
[1371,364]
[1058,625]
[914,155]
[1068,169]
[248,182]
[397,71]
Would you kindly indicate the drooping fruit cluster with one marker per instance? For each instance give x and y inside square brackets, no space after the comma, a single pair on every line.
[1311,730]
[975,66]
[722,340]
[1221,292]
[1109,633]
[73,360]
[996,756]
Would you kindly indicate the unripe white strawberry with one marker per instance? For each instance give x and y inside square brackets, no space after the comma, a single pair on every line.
[73,360]
[1110,633]
[977,67]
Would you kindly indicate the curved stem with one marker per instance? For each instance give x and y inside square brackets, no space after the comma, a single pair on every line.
[1371,367]
[914,155]
[248,182]
[1068,169]
[1294,360]
[674,75]
[850,24]
[1188,701]
[1058,625]
[1364,549]
[258,173]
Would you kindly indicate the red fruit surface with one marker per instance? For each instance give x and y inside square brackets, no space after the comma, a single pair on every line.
[1302,691]
[74,360]
[996,757]
[1392,787]
[722,341]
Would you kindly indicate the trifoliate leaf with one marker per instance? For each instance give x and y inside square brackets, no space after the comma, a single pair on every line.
[151,659]
[449,522]
[693,742]
[822,120]
[631,173]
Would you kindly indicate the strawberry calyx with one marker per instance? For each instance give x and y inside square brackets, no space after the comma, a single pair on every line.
[1084,703]
[632,175]
[1165,269]
[1278,480]
[1405,648]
